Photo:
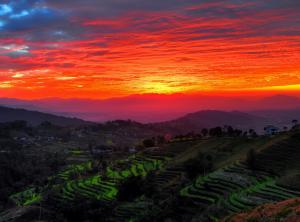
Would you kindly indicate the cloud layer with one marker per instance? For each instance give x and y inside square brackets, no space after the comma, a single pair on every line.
[113,48]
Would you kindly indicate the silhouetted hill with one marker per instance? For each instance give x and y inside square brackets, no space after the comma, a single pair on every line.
[148,108]
[280,116]
[285,211]
[35,118]
[279,102]
[212,118]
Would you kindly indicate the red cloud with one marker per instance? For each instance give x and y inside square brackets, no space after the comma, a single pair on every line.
[163,52]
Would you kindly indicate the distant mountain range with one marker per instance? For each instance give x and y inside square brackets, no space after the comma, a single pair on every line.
[152,107]
[191,122]
[279,116]
[168,115]
[36,118]
[213,118]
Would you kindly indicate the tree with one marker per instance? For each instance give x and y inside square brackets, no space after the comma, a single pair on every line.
[160,140]
[252,133]
[131,188]
[251,159]
[46,124]
[149,189]
[295,122]
[238,132]
[18,124]
[199,165]
[148,143]
[217,131]
[204,132]
[230,131]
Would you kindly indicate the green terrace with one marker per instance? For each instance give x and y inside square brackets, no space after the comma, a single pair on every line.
[235,188]
[27,197]
[144,207]
[134,211]
[261,193]
[77,181]
[76,152]
[74,170]
[105,188]
[137,166]
[91,188]
[212,187]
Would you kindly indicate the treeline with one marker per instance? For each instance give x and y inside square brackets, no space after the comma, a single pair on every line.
[21,166]
[218,131]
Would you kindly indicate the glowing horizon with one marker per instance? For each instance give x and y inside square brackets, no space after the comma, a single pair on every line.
[107,49]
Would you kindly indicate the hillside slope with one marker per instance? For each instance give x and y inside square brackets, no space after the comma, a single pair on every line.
[170,106]
[285,211]
[212,118]
[193,179]
[35,118]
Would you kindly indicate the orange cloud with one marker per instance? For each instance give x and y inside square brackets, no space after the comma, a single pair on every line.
[160,52]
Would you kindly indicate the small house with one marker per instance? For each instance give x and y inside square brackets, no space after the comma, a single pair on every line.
[271,130]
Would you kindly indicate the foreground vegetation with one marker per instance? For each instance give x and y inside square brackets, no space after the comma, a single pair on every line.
[194,177]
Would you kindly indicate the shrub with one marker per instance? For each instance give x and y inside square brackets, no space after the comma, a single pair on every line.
[130,188]
[251,159]
[200,165]
[149,143]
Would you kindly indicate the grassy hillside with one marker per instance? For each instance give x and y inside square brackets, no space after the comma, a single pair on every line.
[36,118]
[212,118]
[201,179]
[285,211]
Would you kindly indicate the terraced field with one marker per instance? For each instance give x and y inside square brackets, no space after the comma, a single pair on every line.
[280,155]
[78,156]
[78,181]
[90,188]
[134,211]
[284,211]
[135,166]
[104,187]
[168,176]
[144,207]
[262,193]
[30,196]
[74,170]
[234,188]
[27,197]
[167,192]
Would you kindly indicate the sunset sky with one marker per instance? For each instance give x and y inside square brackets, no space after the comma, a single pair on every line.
[115,48]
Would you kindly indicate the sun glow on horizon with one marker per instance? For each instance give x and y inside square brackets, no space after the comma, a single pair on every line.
[192,48]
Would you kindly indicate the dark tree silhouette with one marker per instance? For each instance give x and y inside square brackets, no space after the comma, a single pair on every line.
[160,140]
[251,159]
[204,132]
[198,166]
[230,131]
[149,143]
[131,188]
[252,133]
[295,122]
[217,131]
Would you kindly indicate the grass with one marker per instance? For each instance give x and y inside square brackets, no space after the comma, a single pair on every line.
[75,169]
[232,185]
[76,152]
[26,198]
[101,187]
[235,190]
